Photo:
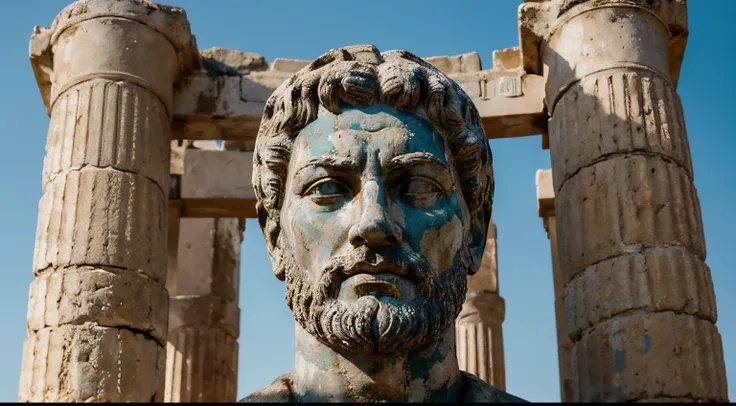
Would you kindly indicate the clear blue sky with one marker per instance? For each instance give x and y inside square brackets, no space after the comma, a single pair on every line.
[304,30]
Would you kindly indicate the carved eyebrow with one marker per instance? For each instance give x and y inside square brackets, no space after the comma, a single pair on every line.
[331,162]
[414,158]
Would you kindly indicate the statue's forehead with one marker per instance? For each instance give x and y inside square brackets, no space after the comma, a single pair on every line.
[376,125]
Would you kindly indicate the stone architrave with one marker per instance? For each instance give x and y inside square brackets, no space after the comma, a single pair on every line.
[478,330]
[204,318]
[546,210]
[97,312]
[639,300]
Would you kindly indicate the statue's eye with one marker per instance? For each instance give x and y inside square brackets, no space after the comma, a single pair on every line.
[328,192]
[420,192]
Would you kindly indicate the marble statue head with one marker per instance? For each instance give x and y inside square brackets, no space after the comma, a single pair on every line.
[374,185]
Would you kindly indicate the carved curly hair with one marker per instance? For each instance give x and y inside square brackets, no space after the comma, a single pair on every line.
[361,76]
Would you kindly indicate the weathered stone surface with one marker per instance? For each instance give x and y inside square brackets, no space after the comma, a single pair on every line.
[108,124]
[616,37]
[545,193]
[508,59]
[510,102]
[218,174]
[102,217]
[564,344]
[478,327]
[650,355]
[88,363]
[204,318]
[201,366]
[211,207]
[486,279]
[139,27]
[639,299]
[463,63]
[480,349]
[288,65]
[619,112]
[100,244]
[238,61]
[623,204]
[205,312]
[108,297]
[656,279]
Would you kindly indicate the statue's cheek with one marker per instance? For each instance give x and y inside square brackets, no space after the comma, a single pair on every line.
[440,245]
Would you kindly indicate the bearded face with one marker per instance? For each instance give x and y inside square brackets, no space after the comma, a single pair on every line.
[375,231]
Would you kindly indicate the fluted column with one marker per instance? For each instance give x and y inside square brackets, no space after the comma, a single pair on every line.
[546,210]
[97,311]
[204,318]
[639,299]
[478,331]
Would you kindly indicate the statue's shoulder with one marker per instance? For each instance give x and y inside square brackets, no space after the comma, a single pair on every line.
[475,389]
[279,391]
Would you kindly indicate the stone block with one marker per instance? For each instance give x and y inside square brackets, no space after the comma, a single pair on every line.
[463,63]
[508,59]
[217,174]
[226,262]
[195,256]
[486,279]
[615,36]
[102,217]
[656,279]
[238,61]
[109,298]
[622,205]
[258,86]
[681,354]
[545,193]
[204,312]
[617,113]
[190,379]
[108,124]
[289,65]
[216,207]
[89,363]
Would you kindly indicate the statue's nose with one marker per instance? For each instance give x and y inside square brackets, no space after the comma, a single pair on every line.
[374,228]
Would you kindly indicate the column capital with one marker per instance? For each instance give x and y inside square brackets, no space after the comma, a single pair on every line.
[113,51]
[539,19]
[484,306]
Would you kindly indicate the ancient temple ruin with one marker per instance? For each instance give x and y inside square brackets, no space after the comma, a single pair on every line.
[137,256]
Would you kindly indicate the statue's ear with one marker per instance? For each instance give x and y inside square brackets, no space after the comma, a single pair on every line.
[478,234]
[272,234]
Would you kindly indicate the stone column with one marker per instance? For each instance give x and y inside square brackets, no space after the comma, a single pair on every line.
[639,300]
[203,285]
[478,332]
[97,309]
[204,318]
[546,210]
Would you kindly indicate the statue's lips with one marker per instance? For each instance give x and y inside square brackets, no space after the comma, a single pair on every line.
[382,284]
[383,279]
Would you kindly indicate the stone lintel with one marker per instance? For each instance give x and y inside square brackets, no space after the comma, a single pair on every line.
[537,19]
[545,194]
[207,181]
[229,107]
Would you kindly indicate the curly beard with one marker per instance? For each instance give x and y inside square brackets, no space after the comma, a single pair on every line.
[369,325]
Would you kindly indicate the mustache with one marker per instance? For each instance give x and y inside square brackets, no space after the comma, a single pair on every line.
[398,260]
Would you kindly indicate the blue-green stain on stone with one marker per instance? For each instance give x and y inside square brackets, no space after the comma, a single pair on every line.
[619,359]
